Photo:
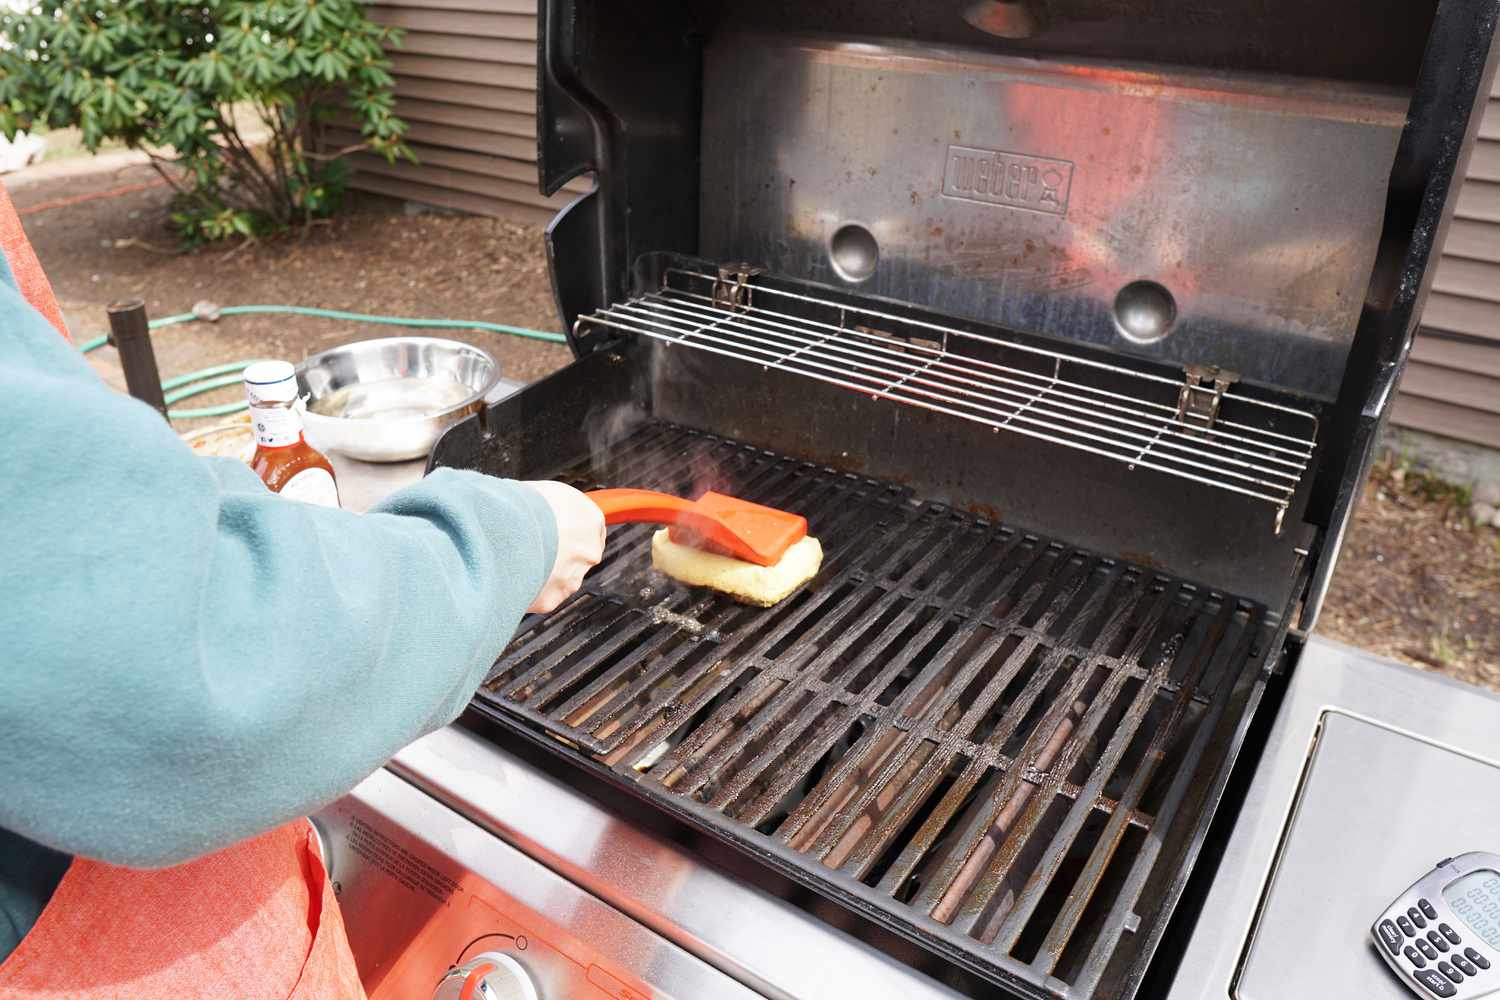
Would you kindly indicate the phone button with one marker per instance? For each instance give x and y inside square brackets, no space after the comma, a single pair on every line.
[1428,910]
[1434,982]
[1415,957]
[1390,937]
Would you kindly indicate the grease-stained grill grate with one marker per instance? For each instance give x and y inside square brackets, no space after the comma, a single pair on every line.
[978,736]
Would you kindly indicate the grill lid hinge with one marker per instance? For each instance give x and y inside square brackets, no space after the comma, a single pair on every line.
[732,289]
[1201,395]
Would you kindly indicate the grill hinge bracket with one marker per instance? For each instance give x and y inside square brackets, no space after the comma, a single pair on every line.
[1201,395]
[732,289]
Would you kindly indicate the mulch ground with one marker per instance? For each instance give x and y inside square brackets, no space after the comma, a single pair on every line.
[375,260]
[1416,581]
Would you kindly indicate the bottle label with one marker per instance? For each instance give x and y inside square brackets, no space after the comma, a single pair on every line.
[314,486]
[276,426]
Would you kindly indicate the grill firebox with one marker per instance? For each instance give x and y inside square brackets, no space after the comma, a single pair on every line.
[985,739]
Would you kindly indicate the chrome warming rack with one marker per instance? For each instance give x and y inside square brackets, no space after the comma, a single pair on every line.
[1179,427]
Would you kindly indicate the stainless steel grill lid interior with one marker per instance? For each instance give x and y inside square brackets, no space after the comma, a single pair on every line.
[1070,326]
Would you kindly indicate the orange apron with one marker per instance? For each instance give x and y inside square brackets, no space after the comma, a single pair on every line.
[256,921]
[24,265]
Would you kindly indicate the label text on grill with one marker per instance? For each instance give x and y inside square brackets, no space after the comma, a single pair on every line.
[1015,180]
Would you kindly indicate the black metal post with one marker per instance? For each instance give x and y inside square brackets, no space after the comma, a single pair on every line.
[130,335]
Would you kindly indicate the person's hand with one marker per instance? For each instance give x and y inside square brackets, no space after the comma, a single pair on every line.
[580,542]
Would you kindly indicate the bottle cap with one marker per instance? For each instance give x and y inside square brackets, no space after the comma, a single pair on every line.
[270,382]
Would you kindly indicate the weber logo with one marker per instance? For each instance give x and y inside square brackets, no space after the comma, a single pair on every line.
[1014,180]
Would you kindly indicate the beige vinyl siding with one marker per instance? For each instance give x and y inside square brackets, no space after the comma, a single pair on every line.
[466,86]
[1452,383]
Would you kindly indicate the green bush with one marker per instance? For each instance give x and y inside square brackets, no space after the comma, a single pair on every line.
[183,80]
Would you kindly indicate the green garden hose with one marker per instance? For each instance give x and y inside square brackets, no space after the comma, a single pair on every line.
[219,376]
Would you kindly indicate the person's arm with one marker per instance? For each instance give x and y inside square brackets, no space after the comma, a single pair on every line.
[189,659]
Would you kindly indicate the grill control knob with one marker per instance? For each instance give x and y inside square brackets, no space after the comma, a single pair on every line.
[487,976]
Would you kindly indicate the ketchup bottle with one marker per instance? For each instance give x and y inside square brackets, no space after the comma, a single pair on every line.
[285,462]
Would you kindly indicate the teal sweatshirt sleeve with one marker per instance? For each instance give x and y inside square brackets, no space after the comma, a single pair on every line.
[189,659]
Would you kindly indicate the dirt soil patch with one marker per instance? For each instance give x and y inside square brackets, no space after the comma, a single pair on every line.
[376,259]
[1416,581]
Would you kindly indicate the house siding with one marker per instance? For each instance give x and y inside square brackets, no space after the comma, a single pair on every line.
[466,86]
[1452,382]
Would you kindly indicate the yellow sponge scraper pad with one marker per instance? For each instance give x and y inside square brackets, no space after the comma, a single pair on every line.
[746,582]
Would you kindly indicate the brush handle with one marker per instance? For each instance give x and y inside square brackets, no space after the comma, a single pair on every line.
[625,506]
[643,506]
[731,527]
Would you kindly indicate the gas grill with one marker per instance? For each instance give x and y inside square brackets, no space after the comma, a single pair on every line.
[1070,327]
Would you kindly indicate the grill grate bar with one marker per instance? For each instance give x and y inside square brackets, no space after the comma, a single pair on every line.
[1122,915]
[942,895]
[912,723]
[801,825]
[941,673]
[1005,934]
[1056,593]
[673,694]
[769,705]
[1031,794]
[1059,934]
[867,704]
[916,363]
[882,718]
[779,476]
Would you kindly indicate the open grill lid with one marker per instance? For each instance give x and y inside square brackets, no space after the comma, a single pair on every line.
[1245,195]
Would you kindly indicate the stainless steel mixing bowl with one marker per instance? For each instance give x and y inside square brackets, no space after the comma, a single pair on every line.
[387,400]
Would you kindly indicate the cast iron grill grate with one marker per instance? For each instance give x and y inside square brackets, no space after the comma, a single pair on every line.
[981,737]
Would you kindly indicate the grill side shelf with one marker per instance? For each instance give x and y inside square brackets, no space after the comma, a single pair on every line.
[976,736]
[1195,426]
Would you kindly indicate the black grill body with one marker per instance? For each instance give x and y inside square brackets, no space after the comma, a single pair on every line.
[1064,566]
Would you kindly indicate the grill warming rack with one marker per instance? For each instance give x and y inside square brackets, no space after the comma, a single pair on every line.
[1194,428]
